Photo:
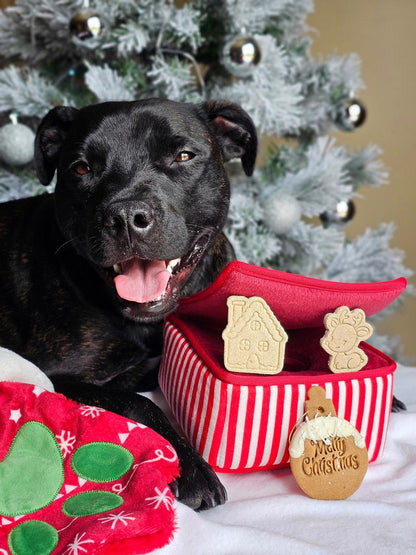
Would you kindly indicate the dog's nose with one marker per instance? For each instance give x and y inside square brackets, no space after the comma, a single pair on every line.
[137,217]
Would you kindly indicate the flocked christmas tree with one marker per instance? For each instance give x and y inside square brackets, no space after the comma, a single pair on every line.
[291,214]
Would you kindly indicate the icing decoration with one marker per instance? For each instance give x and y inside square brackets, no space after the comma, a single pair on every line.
[254,339]
[328,456]
[323,430]
[345,329]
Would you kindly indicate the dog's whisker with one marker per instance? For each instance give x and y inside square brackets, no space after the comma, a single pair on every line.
[65,244]
[76,239]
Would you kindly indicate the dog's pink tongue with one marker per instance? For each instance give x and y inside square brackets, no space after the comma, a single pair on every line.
[142,280]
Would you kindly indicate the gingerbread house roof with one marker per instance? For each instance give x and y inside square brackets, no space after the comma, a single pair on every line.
[252,306]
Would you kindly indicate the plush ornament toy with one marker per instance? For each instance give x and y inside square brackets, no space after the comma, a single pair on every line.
[76,478]
[328,457]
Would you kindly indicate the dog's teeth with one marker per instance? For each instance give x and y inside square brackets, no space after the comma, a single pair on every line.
[171,265]
[117,268]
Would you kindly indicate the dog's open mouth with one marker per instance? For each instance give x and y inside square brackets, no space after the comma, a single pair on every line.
[154,286]
[143,281]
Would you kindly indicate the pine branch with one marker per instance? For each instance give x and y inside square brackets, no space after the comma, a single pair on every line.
[368,258]
[268,96]
[14,185]
[319,181]
[27,92]
[107,85]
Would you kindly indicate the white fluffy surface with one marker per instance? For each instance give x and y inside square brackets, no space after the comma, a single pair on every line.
[267,514]
[14,368]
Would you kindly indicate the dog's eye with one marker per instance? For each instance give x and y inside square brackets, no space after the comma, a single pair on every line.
[81,168]
[184,156]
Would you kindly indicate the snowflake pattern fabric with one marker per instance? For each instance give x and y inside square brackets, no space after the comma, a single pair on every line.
[101,481]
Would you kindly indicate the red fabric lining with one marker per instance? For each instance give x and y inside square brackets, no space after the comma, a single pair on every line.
[297,301]
[300,303]
[209,346]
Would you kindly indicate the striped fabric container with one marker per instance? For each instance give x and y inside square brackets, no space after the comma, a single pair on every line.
[242,423]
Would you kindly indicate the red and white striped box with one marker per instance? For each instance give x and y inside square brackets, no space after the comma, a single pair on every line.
[241,422]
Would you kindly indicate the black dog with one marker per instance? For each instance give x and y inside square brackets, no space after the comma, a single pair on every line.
[88,274]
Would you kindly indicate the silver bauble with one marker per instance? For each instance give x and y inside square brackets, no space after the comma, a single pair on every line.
[16,144]
[85,25]
[352,115]
[241,55]
[281,212]
[341,215]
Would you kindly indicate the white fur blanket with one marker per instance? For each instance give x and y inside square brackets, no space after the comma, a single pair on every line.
[268,514]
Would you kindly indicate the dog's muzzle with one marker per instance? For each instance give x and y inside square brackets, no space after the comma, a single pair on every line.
[150,289]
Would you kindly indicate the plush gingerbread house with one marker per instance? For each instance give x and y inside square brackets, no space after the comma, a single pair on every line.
[254,340]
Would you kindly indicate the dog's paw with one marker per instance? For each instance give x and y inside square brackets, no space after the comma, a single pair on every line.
[398,406]
[198,486]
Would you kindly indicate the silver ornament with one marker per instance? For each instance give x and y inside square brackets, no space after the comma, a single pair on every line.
[16,144]
[241,55]
[85,25]
[352,115]
[340,216]
[281,212]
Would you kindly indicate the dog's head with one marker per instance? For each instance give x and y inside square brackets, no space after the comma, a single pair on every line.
[142,191]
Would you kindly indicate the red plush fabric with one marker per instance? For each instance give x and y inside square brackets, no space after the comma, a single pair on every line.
[299,303]
[145,517]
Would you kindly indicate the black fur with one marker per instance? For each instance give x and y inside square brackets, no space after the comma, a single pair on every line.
[120,194]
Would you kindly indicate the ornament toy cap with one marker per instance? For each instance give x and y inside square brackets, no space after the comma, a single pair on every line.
[328,456]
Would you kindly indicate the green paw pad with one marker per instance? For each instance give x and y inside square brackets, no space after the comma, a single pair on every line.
[101,461]
[32,472]
[33,537]
[91,503]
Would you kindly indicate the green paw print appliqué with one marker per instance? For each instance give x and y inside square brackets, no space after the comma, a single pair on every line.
[32,474]
[67,485]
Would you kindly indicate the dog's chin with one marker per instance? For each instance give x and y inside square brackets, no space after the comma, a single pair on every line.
[165,301]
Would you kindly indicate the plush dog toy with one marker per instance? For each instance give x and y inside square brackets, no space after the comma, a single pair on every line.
[77,477]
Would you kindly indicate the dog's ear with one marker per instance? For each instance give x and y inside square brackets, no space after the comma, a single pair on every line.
[50,137]
[234,130]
